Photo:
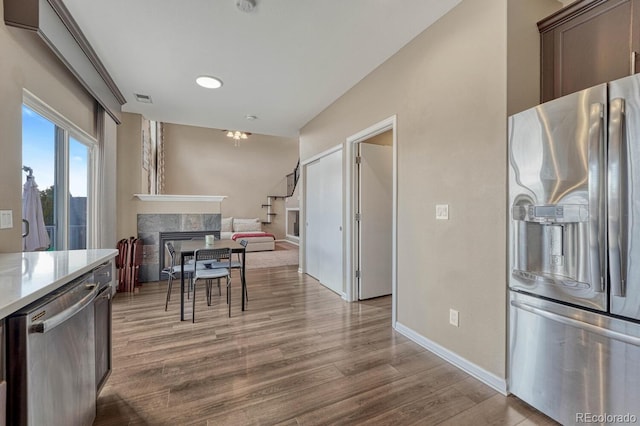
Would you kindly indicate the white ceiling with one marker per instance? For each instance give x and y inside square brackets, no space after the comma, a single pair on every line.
[284,62]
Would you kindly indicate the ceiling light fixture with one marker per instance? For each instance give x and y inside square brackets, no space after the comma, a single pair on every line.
[237,136]
[245,6]
[209,82]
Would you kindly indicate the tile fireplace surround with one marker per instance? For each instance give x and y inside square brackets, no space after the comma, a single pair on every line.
[150,227]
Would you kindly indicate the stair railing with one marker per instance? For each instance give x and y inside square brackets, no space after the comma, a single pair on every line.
[292,180]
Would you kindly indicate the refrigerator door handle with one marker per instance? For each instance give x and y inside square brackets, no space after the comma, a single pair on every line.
[605,332]
[616,199]
[596,202]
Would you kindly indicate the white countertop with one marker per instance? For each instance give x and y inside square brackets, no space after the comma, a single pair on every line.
[26,277]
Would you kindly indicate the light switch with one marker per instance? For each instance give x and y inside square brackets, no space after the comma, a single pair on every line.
[442,211]
[453,318]
[6,219]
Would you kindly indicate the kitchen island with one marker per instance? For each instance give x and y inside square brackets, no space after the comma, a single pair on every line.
[55,334]
[26,277]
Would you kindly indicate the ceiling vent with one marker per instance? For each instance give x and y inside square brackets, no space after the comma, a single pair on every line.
[145,99]
[245,5]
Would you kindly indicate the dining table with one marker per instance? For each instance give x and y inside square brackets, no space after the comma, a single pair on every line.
[187,250]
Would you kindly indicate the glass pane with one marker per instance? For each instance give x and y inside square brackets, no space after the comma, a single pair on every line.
[78,185]
[38,153]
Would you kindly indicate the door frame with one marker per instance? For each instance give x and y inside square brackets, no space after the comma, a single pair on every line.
[302,247]
[65,130]
[351,204]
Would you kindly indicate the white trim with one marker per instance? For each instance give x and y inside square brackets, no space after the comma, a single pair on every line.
[286,224]
[351,283]
[320,155]
[39,106]
[295,243]
[67,130]
[488,378]
[374,130]
[165,197]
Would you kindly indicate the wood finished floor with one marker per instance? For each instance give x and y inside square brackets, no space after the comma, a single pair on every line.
[299,355]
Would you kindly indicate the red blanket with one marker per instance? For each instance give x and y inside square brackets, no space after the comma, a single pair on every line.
[251,234]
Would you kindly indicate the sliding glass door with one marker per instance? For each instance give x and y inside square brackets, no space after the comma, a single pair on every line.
[61,160]
[78,196]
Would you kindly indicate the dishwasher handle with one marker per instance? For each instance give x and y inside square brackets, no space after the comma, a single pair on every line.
[56,320]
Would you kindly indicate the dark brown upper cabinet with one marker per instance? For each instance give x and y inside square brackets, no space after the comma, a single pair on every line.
[587,43]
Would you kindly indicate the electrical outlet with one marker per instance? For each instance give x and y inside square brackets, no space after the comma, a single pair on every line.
[442,211]
[6,219]
[453,317]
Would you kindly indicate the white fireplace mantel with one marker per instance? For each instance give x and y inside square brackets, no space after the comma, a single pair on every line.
[181,198]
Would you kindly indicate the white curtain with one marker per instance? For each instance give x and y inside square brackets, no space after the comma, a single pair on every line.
[107,185]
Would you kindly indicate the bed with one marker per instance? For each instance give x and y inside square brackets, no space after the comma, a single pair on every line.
[247,229]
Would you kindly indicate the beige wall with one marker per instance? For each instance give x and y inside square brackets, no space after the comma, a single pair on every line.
[449,90]
[28,63]
[384,138]
[200,161]
[205,161]
[129,182]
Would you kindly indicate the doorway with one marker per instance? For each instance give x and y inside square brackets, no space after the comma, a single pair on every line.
[373,224]
[372,228]
[57,211]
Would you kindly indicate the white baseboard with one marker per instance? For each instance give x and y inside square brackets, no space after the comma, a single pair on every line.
[295,243]
[488,378]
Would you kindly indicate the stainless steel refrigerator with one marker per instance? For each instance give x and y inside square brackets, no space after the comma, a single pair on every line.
[574,255]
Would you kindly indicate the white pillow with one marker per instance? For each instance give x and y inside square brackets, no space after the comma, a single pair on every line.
[226,224]
[247,225]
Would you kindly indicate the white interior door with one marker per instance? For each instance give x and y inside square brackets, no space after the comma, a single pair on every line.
[323,236]
[313,219]
[331,256]
[375,204]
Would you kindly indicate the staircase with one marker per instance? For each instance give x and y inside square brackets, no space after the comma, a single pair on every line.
[292,181]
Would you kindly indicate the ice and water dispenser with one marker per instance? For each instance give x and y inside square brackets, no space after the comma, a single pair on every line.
[549,243]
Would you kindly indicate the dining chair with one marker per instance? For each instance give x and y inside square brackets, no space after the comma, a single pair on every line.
[235,264]
[173,271]
[209,274]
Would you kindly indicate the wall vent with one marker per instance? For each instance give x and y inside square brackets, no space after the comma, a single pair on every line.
[146,99]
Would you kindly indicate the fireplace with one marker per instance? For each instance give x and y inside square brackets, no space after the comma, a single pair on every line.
[156,229]
[179,236]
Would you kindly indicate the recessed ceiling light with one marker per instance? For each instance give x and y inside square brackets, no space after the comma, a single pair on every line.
[250,117]
[209,82]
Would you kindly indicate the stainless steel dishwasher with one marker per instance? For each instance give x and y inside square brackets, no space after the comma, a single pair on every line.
[3,383]
[51,355]
[103,277]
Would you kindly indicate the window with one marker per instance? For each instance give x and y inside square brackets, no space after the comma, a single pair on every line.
[62,158]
